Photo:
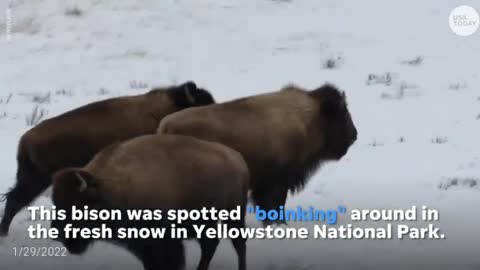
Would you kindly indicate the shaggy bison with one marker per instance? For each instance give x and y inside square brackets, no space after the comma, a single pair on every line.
[284,136]
[73,138]
[156,172]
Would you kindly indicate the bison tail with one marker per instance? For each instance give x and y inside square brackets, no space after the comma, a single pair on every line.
[73,178]
[27,174]
[31,182]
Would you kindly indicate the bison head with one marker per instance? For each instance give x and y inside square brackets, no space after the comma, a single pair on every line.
[185,95]
[70,188]
[338,130]
[188,95]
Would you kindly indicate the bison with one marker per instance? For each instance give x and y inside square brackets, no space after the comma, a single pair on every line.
[284,136]
[156,172]
[73,138]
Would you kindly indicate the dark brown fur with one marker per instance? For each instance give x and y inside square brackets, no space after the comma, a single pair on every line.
[284,136]
[157,172]
[73,138]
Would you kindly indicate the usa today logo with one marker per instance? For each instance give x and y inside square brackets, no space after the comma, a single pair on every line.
[464,20]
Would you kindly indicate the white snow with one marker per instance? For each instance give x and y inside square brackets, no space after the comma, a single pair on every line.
[411,141]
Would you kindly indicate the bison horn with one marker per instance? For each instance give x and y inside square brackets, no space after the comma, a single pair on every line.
[189,87]
[83,182]
[189,95]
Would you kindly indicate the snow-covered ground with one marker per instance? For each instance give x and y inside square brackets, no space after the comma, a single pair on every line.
[416,133]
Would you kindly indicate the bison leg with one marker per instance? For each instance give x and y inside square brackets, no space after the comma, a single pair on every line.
[174,256]
[240,245]
[208,247]
[20,196]
[271,199]
[166,254]
[147,257]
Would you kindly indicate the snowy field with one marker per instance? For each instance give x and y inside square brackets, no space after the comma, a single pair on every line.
[413,89]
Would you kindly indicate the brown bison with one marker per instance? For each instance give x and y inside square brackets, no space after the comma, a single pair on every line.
[73,138]
[284,136]
[156,172]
